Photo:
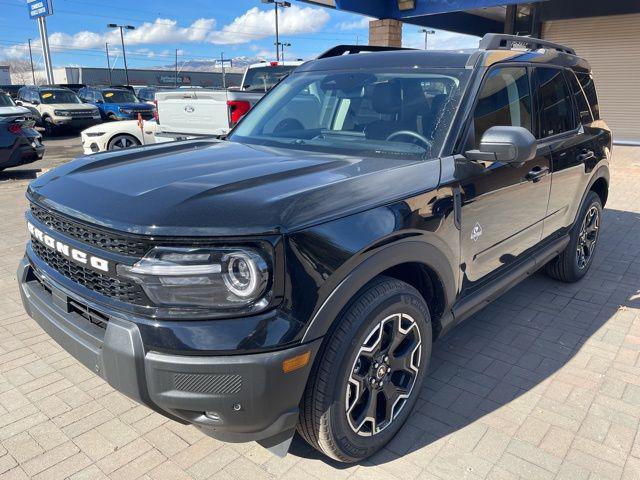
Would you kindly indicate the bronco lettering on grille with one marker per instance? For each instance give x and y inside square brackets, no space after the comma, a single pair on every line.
[71,253]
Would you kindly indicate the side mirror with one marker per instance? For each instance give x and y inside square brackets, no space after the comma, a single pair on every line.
[19,103]
[505,144]
[99,101]
[35,102]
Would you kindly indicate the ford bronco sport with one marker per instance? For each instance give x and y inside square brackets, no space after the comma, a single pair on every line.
[296,275]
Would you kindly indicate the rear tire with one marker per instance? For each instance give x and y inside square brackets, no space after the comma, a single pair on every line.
[120,142]
[369,373]
[574,262]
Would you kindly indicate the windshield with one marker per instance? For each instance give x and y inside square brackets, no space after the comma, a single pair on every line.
[6,100]
[59,96]
[366,112]
[119,96]
[261,79]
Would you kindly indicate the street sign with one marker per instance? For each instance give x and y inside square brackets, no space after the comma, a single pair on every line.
[39,8]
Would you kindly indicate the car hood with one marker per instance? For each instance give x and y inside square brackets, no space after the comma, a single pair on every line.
[13,111]
[223,188]
[136,106]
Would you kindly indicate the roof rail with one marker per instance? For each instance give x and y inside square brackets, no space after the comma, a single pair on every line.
[339,50]
[499,41]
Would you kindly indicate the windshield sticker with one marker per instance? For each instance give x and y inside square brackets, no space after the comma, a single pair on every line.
[108,95]
[47,95]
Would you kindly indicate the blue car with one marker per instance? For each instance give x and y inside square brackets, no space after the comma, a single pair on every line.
[116,103]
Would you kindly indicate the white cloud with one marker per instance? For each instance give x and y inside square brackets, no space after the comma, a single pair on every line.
[255,24]
[442,40]
[355,25]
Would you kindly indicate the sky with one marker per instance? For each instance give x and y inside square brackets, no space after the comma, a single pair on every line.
[200,30]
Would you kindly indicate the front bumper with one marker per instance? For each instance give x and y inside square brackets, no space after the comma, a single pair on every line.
[246,397]
[75,123]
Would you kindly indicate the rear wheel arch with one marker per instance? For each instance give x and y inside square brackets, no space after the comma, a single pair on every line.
[419,264]
[601,187]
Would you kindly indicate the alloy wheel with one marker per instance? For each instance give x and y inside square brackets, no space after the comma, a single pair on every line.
[588,237]
[383,374]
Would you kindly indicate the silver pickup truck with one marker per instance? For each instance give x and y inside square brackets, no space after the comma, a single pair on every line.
[189,113]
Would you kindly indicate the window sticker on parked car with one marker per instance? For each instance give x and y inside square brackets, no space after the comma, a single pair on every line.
[108,95]
[47,95]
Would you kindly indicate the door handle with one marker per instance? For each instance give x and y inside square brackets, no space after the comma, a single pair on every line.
[537,173]
[586,155]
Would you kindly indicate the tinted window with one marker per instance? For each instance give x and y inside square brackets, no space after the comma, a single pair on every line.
[504,100]
[119,96]
[261,79]
[556,109]
[589,87]
[365,112]
[5,100]
[58,96]
[584,112]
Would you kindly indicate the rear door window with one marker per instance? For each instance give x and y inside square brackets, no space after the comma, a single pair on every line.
[589,87]
[555,112]
[504,100]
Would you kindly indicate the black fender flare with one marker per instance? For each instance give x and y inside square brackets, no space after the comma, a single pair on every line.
[600,172]
[383,258]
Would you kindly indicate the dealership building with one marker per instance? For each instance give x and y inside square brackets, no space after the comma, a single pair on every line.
[606,33]
[151,77]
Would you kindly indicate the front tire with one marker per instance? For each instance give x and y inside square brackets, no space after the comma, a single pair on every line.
[574,262]
[369,372]
[49,127]
[120,142]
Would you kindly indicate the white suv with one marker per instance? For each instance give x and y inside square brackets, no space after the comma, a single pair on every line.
[59,107]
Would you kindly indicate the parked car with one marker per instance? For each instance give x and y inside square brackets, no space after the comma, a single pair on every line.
[116,103]
[296,275]
[8,107]
[117,135]
[12,90]
[20,143]
[193,112]
[148,94]
[59,108]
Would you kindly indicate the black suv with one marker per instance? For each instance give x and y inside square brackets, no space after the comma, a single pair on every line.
[296,275]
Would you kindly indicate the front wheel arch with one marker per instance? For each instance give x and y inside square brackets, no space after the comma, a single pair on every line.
[390,261]
[135,140]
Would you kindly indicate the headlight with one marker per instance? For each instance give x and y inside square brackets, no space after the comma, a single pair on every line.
[222,279]
[94,134]
[61,113]
[124,110]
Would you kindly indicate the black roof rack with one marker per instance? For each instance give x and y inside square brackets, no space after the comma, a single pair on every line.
[499,41]
[339,50]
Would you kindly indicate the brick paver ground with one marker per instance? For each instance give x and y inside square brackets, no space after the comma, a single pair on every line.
[542,384]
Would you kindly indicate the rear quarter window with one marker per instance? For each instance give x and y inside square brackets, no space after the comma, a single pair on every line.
[584,111]
[589,87]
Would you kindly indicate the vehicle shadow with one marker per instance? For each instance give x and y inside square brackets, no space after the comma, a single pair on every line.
[515,345]
[19,174]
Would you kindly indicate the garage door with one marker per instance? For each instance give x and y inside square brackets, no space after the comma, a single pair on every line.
[612,46]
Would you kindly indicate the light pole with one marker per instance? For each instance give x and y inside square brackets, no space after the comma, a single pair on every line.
[106,46]
[426,35]
[276,4]
[33,73]
[282,45]
[124,55]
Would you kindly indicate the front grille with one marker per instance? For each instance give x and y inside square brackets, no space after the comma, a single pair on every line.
[127,292]
[98,238]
